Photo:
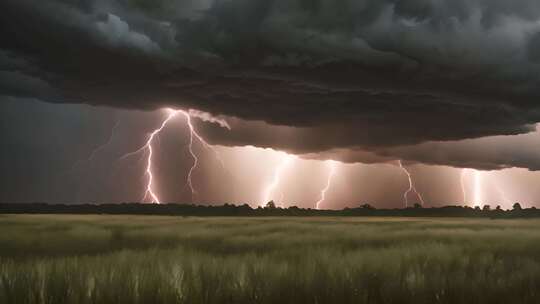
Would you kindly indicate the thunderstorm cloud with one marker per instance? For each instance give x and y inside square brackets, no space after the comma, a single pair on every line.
[435,82]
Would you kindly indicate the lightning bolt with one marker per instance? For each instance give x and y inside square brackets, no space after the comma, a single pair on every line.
[462,181]
[194,134]
[412,188]
[149,149]
[477,186]
[149,186]
[270,188]
[332,172]
[108,142]
[478,182]
[99,148]
[501,193]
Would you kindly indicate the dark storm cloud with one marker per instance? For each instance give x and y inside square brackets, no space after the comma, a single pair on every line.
[362,74]
[487,153]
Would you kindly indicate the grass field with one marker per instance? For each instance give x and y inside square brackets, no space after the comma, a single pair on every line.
[143,259]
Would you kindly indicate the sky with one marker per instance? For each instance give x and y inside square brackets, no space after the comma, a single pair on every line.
[305,102]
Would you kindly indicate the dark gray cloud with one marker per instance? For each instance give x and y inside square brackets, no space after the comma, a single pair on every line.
[366,75]
[486,153]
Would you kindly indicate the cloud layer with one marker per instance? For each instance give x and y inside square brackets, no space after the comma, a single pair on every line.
[384,77]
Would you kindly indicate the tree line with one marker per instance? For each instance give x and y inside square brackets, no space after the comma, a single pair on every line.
[270,209]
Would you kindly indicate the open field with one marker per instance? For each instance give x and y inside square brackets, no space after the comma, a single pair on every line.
[145,259]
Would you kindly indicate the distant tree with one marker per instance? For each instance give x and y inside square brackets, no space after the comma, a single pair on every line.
[367,206]
[270,205]
[498,208]
[486,208]
[516,206]
[417,206]
[244,207]
[477,208]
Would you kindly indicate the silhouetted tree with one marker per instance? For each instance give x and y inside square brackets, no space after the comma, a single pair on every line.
[417,206]
[516,206]
[270,205]
[367,206]
[477,208]
[498,208]
[486,208]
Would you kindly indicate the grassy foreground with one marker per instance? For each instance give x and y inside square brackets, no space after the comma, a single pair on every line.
[145,259]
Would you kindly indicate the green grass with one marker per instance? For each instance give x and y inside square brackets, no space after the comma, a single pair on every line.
[145,259]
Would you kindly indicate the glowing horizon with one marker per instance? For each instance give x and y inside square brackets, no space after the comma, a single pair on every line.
[273,188]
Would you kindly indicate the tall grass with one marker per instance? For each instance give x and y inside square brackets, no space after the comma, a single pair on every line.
[130,259]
